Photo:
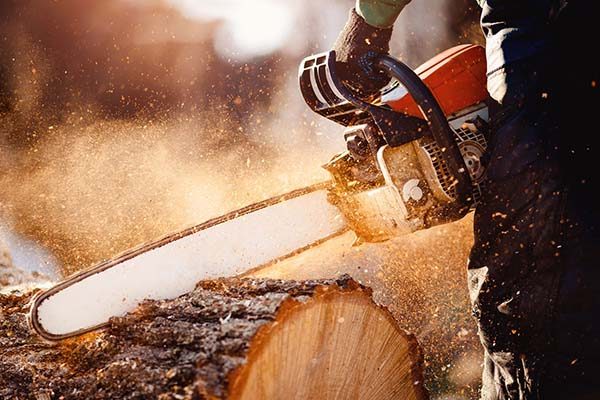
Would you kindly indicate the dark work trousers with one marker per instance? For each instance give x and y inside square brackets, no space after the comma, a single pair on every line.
[534,270]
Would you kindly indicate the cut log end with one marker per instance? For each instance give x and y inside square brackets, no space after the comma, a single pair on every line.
[337,344]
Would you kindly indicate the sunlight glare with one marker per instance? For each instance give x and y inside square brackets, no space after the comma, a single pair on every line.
[250,28]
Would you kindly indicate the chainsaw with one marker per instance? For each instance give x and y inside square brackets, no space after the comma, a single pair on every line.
[413,161]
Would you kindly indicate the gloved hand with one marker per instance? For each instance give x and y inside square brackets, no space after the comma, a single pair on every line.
[367,31]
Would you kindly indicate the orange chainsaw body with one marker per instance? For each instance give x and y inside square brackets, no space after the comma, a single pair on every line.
[457,78]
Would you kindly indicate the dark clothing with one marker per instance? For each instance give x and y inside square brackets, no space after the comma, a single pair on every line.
[516,30]
[534,270]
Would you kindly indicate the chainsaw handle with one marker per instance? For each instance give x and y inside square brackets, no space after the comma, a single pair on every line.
[433,113]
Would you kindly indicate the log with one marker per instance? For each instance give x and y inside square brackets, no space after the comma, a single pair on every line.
[228,339]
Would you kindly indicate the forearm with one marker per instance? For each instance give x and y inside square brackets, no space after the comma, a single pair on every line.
[380,13]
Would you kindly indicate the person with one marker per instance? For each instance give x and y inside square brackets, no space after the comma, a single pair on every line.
[533,272]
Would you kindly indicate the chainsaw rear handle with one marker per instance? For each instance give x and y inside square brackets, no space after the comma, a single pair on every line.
[431,110]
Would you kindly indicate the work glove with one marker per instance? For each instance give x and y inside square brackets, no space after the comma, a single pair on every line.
[367,32]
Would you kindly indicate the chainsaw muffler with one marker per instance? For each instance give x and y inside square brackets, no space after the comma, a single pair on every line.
[414,157]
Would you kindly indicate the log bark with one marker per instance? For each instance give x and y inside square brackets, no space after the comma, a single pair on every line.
[228,339]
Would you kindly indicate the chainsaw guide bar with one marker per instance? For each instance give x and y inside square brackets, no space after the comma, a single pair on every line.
[233,244]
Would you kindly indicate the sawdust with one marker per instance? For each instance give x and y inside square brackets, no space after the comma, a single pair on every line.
[89,191]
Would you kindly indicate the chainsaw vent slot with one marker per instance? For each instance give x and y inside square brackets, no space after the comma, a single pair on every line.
[472,144]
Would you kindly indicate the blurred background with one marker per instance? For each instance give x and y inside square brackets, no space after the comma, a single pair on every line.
[123,120]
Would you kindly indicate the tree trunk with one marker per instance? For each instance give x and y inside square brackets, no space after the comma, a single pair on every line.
[231,338]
